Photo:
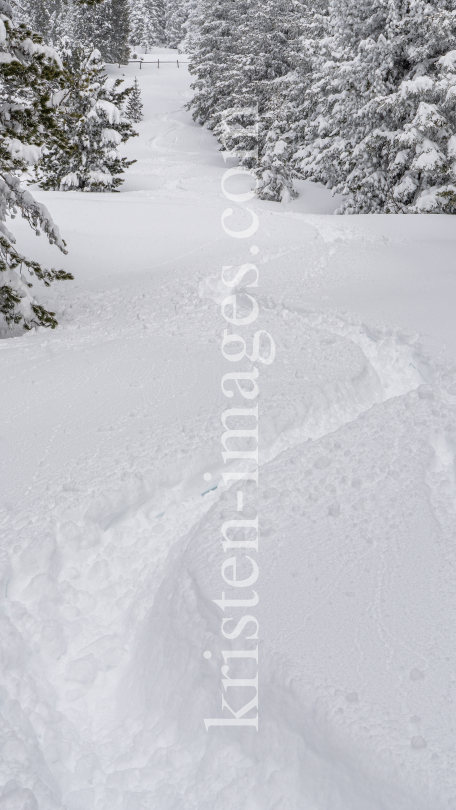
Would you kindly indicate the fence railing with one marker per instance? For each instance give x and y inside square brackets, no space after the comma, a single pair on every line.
[157,62]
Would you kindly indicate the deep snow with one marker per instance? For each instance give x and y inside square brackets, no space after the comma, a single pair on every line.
[110,550]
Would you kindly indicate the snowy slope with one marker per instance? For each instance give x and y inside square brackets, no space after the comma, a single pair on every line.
[110,532]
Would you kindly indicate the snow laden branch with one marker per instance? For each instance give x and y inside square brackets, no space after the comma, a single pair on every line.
[29,71]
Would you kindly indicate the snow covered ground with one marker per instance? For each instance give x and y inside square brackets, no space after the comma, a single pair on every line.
[110,530]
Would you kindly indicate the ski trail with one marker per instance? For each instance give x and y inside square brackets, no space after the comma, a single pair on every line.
[172,512]
[167,127]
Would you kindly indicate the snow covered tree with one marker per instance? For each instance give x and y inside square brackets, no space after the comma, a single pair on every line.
[242,54]
[105,26]
[190,26]
[30,72]
[134,104]
[269,76]
[88,25]
[117,50]
[94,126]
[147,21]
[287,104]
[39,15]
[176,15]
[383,124]
[215,45]
[46,17]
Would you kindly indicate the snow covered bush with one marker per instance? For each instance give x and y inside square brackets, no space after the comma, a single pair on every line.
[382,121]
[29,71]
[91,111]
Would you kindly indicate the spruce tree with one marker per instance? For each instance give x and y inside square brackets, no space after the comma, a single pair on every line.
[383,128]
[214,47]
[46,17]
[190,26]
[90,26]
[94,126]
[267,73]
[134,105]
[288,104]
[176,15]
[118,49]
[105,26]
[30,75]
[147,20]
[137,25]
[243,54]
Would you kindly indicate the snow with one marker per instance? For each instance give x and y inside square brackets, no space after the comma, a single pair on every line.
[430,156]
[280,147]
[419,85]
[31,48]
[110,109]
[112,501]
[448,60]
[406,186]
[23,151]
[111,136]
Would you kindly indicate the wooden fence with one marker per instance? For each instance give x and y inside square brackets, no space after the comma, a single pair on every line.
[157,62]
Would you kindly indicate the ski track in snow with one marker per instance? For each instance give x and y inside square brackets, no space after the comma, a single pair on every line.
[109,564]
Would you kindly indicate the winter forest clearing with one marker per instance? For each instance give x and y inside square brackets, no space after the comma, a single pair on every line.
[118,622]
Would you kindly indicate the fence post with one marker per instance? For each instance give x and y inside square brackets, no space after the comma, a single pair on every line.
[178,63]
[158,62]
[140,64]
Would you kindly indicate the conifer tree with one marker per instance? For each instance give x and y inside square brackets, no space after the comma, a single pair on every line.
[138,36]
[288,105]
[383,126]
[190,26]
[268,73]
[94,126]
[176,15]
[242,54]
[214,46]
[105,26]
[147,20]
[30,72]
[46,17]
[90,26]
[134,105]
[118,48]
